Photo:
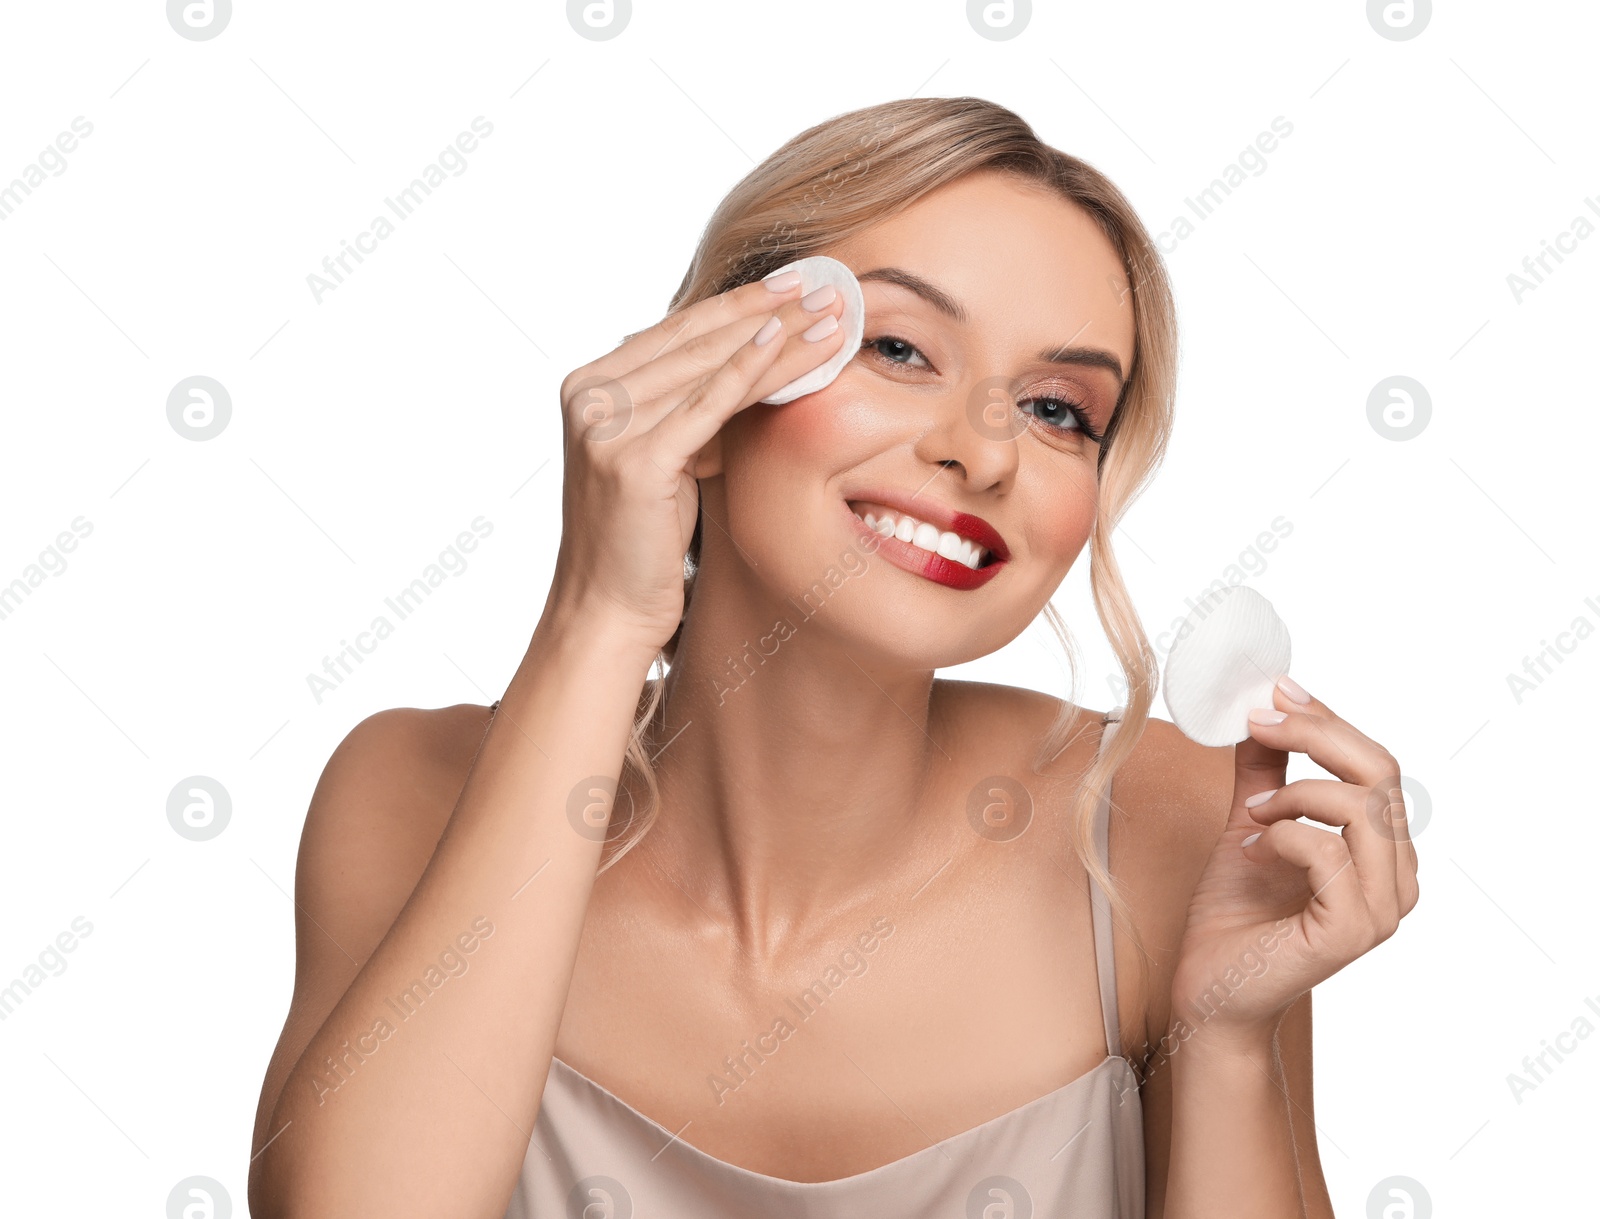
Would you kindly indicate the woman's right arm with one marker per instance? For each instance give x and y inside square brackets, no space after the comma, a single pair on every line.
[403,1100]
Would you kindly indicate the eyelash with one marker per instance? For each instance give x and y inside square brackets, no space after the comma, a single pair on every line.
[1078,412]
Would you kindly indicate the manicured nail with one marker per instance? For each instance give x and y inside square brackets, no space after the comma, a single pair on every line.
[822,329]
[1250,839]
[819,299]
[782,283]
[1261,798]
[1265,715]
[769,328]
[1293,689]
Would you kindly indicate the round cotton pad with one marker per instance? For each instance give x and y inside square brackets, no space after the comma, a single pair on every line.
[1229,654]
[815,271]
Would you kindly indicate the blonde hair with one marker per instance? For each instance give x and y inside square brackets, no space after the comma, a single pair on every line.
[854,170]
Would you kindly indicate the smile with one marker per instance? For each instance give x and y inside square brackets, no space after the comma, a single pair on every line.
[921,534]
[955,549]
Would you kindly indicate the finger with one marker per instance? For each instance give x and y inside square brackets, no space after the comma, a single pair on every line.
[1256,768]
[1387,814]
[1369,765]
[661,385]
[1311,727]
[680,327]
[1392,822]
[683,433]
[636,402]
[1338,907]
[739,382]
[1347,807]
[1328,740]
[1386,809]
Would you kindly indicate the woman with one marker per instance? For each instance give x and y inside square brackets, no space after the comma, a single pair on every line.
[798,928]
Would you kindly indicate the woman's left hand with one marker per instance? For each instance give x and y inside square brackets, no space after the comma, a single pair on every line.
[1268,921]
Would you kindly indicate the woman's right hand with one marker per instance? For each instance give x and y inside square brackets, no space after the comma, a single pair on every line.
[635,421]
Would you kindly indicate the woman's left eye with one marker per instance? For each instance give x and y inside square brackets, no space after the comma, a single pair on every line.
[1062,410]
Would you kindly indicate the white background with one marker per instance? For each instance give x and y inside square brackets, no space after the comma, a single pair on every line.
[371,428]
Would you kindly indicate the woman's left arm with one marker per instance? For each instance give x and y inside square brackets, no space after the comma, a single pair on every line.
[1266,923]
[1243,1112]
[1294,1051]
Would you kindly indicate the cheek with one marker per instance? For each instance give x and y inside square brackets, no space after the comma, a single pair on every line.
[1062,496]
[831,420]
[814,436]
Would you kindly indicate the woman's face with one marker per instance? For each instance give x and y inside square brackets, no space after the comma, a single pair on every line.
[952,406]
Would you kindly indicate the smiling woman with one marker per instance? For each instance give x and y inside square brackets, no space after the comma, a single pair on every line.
[667,866]
[970,239]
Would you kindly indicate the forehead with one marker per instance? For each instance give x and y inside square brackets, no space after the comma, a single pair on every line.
[1024,261]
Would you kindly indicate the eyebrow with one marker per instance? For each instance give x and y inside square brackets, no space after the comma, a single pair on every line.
[1093,357]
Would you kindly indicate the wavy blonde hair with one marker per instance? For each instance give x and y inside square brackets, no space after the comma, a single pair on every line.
[854,170]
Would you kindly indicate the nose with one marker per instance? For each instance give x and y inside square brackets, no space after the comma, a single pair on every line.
[975,427]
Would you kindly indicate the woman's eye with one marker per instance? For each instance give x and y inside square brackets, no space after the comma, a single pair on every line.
[1058,413]
[1063,415]
[896,351]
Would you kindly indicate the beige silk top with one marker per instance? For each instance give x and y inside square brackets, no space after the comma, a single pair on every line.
[1075,1153]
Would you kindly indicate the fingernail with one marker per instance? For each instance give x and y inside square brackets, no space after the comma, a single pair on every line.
[768,328]
[822,329]
[1249,840]
[1261,798]
[1293,689]
[782,283]
[820,299]
[1264,715]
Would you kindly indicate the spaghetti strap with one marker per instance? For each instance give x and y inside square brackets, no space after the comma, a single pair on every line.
[1104,955]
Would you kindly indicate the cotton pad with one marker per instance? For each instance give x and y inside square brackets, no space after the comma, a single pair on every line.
[1229,654]
[815,271]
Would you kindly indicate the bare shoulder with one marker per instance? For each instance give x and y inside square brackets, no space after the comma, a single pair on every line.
[1171,791]
[392,783]
[375,817]
[1176,792]
[1170,801]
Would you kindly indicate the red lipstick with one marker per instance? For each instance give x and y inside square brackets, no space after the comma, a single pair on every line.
[949,572]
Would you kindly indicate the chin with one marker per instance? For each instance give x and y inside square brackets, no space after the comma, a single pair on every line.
[879,618]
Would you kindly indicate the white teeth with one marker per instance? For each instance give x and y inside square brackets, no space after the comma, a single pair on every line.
[928,537]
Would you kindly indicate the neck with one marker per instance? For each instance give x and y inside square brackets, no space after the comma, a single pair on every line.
[792,772]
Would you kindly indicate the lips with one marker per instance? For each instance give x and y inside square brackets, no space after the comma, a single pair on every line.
[950,572]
